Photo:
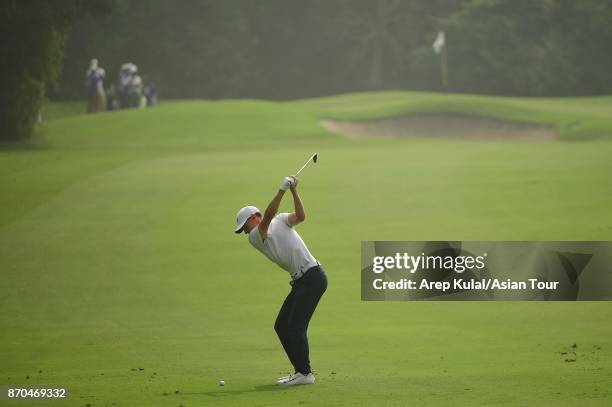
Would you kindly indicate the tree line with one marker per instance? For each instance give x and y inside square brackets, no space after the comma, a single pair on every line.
[285,49]
[33,36]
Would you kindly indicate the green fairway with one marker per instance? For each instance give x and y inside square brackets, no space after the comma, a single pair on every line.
[123,281]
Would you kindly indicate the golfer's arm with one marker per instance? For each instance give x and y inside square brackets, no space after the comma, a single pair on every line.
[299,215]
[270,213]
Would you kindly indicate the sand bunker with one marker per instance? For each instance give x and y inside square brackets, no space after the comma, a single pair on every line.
[441,126]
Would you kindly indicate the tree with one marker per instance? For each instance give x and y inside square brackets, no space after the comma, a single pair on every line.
[535,48]
[33,34]
[378,43]
[188,48]
[282,49]
[274,49]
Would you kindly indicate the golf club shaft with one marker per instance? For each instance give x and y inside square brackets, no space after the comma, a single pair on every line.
[304,166]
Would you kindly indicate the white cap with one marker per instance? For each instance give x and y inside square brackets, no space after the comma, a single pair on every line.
[243,215]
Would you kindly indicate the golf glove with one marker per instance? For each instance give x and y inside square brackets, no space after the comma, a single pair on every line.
[286,184]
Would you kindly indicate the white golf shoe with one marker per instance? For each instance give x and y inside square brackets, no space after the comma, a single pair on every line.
[296,379]
[282,379]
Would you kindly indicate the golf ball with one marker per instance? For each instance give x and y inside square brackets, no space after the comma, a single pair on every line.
[221,382]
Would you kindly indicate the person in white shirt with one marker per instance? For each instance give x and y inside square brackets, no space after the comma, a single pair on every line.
[275,236]
[94,88]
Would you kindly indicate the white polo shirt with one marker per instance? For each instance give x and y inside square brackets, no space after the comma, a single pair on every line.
[284,246]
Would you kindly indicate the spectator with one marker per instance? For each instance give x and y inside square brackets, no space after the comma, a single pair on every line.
[123,83]
[134,88]
[94,88]
[150,92]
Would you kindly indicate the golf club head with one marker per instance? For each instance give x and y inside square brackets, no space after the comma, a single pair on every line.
[314,157]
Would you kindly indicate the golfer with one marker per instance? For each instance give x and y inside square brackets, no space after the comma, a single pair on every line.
[274,235]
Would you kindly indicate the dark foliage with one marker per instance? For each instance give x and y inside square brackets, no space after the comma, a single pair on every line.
[33,34]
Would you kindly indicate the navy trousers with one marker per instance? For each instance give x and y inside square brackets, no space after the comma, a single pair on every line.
[293,318]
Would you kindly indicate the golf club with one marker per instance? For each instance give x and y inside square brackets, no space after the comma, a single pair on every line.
[313,158]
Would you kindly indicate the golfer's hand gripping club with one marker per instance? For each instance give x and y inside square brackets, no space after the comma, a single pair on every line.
[286,184]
